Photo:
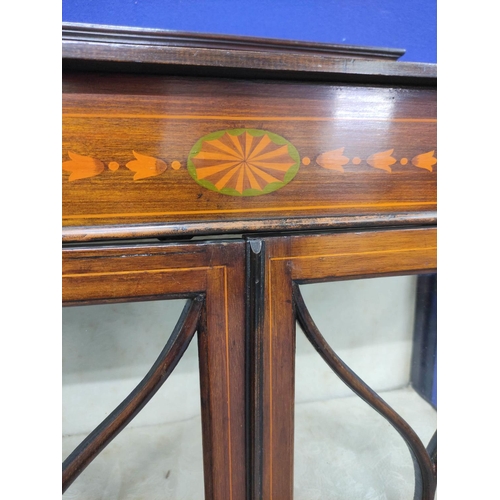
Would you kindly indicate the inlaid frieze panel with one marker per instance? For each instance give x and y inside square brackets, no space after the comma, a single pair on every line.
[146,149]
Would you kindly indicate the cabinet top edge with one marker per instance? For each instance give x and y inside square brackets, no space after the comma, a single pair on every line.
[134,49]
[181,231]
[147,36]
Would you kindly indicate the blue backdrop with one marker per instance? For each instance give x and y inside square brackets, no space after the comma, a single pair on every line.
[410,25]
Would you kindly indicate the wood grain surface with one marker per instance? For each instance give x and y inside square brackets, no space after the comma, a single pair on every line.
[363,150]
[147,50]
[152,272]
[169,135]
[82,32]
[306,259]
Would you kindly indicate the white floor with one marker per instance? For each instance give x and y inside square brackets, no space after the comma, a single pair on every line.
[144,463]
[343,450]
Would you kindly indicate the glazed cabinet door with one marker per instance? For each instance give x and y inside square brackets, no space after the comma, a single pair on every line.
[131,314]
[337,412]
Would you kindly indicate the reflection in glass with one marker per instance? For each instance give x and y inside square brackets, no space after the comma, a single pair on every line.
[107,350]
[343,448]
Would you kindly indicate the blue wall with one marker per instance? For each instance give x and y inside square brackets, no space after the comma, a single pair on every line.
[410,25]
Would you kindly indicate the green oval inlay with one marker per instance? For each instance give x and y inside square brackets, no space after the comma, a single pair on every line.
[243,162]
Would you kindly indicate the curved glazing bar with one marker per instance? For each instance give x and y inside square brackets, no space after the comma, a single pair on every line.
[111,426]
[425,477]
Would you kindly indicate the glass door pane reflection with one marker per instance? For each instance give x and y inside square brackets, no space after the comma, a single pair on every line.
[343,448]
[107,350]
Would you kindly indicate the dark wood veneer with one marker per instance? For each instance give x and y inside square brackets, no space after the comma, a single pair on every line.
[311,258]
[145,50]
[352,195]
[358,151]
[151,272]
[170,38]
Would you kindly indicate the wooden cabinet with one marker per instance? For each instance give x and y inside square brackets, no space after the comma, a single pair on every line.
[230,173]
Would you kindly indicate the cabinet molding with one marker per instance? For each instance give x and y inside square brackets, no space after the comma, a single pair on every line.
[214,271]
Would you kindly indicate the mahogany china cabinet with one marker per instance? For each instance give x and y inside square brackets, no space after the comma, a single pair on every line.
[249,268]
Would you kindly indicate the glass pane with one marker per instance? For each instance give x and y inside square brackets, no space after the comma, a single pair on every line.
[343,448]
[107,350]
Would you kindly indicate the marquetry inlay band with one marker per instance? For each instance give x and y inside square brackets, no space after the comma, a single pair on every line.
[241,162]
